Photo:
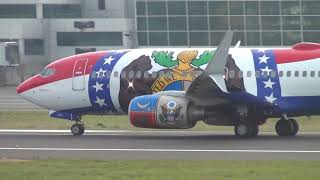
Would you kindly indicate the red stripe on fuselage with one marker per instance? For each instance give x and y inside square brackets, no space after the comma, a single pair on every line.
[291,55]
[63,70]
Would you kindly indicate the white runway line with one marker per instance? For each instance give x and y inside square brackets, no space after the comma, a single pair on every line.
[57,131]
[165,150]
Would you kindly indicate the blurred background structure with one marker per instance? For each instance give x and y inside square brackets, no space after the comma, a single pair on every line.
[46,30]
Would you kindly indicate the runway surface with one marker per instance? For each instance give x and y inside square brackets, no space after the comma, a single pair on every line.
[10,101]
[102,145]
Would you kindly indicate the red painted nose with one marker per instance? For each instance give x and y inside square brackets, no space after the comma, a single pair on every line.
[27,85]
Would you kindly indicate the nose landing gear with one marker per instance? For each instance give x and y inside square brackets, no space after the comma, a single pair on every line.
[77,129]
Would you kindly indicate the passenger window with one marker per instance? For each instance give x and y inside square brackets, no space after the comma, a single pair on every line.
[116,74]
[131,75]
[108,74]
[154,74]
[138,74]
[273,74]
[265,74]
[248,73]
[258,74]
[296,73]
[146,75]
[93,74]
[288,73]
[304,73]
[319,74]
[280,73]
[240,74]
[312,73]
[161,73]
[123,75]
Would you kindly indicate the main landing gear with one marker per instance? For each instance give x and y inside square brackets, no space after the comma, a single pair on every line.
[288,127]
[246,129]
[77,129]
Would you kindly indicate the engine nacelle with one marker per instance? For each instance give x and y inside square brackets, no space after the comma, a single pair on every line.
[163,111]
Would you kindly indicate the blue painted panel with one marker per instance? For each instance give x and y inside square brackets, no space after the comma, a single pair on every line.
[147,103]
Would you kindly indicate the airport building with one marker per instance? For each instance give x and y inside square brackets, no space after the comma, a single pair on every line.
[46,30]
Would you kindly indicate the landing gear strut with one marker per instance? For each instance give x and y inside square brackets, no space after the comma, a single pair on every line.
[246,129]
[77,129]
[288,127]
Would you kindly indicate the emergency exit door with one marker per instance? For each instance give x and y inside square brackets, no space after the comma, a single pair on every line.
[78,78]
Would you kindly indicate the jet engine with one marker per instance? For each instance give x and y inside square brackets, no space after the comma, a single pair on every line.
[169,110]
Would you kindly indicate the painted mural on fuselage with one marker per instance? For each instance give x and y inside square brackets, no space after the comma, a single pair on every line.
[148,71]
[176,68]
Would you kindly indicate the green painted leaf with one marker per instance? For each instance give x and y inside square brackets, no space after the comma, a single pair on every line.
[164,58]
[204,58]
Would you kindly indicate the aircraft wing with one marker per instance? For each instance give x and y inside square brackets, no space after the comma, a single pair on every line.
[209,88]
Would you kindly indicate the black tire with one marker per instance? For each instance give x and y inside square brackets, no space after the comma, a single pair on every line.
[245,130]
[295,127]
[288,127]
[77,129]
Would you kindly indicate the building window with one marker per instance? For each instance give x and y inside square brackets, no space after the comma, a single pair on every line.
[290,38]
[197,7]
[17,11]
[156,8]
[89,38]
[101,4]
[142,38]
[141,8]
[158,39]
[62,11]
[199,38]
[176,8]
[178,38]
[33,47]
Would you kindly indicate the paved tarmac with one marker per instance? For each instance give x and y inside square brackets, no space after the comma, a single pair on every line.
[11,101]
[156,145]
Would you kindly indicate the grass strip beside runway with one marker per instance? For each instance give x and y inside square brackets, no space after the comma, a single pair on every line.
[158,169]
[40,120]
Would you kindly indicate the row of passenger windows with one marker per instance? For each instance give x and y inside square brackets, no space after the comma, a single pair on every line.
[231,74]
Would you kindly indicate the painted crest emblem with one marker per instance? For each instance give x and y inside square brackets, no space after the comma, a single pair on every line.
[170,112]
[182,69]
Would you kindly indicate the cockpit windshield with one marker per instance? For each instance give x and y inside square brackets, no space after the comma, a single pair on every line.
[47,72]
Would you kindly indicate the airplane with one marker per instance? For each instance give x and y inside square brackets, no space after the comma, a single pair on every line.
[174,88]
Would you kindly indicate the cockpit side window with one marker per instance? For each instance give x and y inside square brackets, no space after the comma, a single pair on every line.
[47,72]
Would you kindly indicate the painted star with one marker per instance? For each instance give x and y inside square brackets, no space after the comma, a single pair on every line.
[263,59]
[100,102]
[261,50]
[268,84]
[98,86]
[130,84]
[270,98]
[108,60]
[101,71]
[266,70]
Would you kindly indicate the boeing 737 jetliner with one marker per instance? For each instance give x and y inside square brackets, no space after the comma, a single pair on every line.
[175,88]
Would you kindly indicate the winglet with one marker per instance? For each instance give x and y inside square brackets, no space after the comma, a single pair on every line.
[218,62]
[216,66]
[238,44]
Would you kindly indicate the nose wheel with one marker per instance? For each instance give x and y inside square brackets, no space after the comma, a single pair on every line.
[77,129]
[288,127]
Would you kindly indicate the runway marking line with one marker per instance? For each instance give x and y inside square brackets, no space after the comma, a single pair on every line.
[166,150]
[19,131]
